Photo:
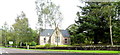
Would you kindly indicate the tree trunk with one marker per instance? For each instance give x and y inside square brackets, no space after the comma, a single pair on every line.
[57,36]
[20,43]
[111,32]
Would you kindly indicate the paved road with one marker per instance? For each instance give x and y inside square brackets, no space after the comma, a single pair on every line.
[9,51]
[0,51]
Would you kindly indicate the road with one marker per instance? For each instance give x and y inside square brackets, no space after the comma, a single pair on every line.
[11,51]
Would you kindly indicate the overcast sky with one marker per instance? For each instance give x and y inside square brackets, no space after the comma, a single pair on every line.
[9,9]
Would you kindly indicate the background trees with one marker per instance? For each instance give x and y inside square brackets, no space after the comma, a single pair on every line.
[92,25]
[93,22]
[49,14]
[20,32]
[4,34]
[0,37]
[23,33]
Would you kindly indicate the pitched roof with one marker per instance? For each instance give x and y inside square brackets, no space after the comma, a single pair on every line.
[49,32]
[65,33]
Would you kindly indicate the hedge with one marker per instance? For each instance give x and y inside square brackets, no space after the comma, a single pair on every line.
[78,48]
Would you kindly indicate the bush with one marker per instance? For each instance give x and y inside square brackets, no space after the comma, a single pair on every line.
[39,45]
[53,45]
[33,43]
[47,45]
[63,45]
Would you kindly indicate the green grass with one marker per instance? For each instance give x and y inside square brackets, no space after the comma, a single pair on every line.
[39,46]
[77,51]
[2,46]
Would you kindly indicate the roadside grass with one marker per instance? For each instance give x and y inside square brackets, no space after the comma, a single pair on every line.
[73,51]
[2,47]
[79,51]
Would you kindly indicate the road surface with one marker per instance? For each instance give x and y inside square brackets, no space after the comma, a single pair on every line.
[11,51]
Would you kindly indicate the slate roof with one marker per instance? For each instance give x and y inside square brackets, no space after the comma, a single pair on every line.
[49,32]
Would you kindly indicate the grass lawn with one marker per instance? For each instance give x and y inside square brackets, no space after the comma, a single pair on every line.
[77,51]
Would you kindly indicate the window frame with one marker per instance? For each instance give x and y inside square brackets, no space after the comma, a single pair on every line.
[66,40]
[44,40]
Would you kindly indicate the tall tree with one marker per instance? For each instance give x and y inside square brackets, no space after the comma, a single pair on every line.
[48,14]
[116,24]
[42,12]
[94,21]
[4,34]
[55,19]
[23,33]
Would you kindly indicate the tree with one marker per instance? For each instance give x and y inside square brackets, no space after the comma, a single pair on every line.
[42,12]
[22,31]
[94,21]
[48,14]
[108,12]
[116,24]
[0,37]
[55,18]
[4,34]
[73,34]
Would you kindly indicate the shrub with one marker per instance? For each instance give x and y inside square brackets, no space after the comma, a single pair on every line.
[39,45]
[33,43]
[64,45]
[47,45]
[53,45]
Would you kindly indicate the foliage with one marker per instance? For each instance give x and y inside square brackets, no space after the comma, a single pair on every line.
[0,37]
[63,46]
[47,45]
[92,25]
[20,32]
[21,29]
[48,13]
[39,45]
[4,34]
[33,43]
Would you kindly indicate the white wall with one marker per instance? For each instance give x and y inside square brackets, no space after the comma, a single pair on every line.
[42,40]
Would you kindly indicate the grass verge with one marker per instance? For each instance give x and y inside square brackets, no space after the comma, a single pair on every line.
[77,51]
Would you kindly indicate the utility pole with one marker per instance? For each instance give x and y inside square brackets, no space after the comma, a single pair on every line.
[111,32]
